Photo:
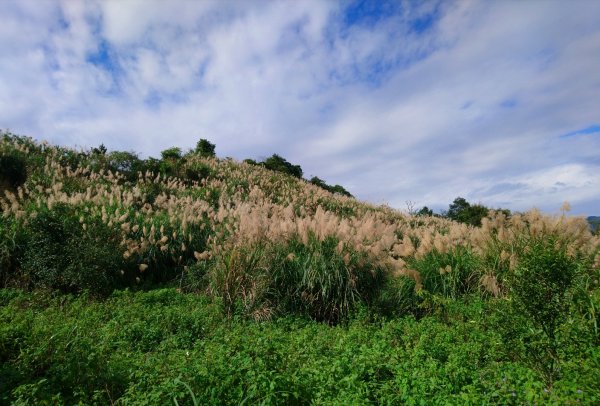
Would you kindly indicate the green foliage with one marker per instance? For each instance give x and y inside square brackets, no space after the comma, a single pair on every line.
[59,254]
[100,150]
[126,163]
[451,274]
[239,278]
[11,243]
[173,153]
[315,180]
[13,170]
[333,189]
[152,347]
[340,189]
[594,222]
[425,211]
[397,297]
[205,148]
[541,285]
[279,164]
[462,211]
[197,171]
[313,279]
[321,281]
[541,289]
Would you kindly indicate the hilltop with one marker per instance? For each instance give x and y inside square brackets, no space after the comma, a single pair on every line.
[239,243]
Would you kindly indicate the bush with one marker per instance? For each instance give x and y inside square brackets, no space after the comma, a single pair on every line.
[541,289]
[314,279]
[280,164]
[127,163]
[13,170]
[60,254]
[205,148]
[238,276]
[397,297]
[541,285]
[9,244]
[198,171]
[462,211]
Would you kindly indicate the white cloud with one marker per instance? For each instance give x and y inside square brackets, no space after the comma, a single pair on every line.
[472,106]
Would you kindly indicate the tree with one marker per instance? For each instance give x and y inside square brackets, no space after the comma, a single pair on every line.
[333,189]
[205,148]
[127,163]
[280,164]
[101,150]
[340,189]
[457,208]
[425,211]
[318,182]
[462,211]
[173,153]
[171,161]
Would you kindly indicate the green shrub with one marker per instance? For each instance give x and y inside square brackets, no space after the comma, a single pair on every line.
[397,297]
[12,243]
[314,279]
[205,148]
[198,171]
[541,290]
[126,163]
[280,164]
[60,254]
[13,170]
[541,285]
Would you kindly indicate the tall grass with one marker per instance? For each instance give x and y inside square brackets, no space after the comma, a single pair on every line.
[258,240]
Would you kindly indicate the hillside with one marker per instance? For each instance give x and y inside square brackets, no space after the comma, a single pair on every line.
[192,238]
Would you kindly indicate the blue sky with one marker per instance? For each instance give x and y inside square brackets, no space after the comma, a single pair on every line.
[495,101]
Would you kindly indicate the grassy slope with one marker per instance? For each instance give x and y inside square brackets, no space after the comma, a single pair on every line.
[427,310]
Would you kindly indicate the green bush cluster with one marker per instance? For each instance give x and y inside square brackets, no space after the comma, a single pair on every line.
[59,254]
[13,170]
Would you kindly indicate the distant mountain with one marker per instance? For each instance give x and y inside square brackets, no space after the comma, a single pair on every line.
[594,222]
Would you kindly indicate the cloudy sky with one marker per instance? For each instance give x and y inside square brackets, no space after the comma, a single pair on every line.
[495,101]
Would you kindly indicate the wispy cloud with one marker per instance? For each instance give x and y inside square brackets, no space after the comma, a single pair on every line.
[593,129]
[420,101]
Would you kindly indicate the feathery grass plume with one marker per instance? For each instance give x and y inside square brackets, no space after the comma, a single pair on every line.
[250,205]
[490,285]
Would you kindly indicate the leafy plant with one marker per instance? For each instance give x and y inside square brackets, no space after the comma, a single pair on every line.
[60,254]
[205,148]
[541,287]
[13,169]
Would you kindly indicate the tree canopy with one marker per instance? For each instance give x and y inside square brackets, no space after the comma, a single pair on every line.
[280,164]
[205,148]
